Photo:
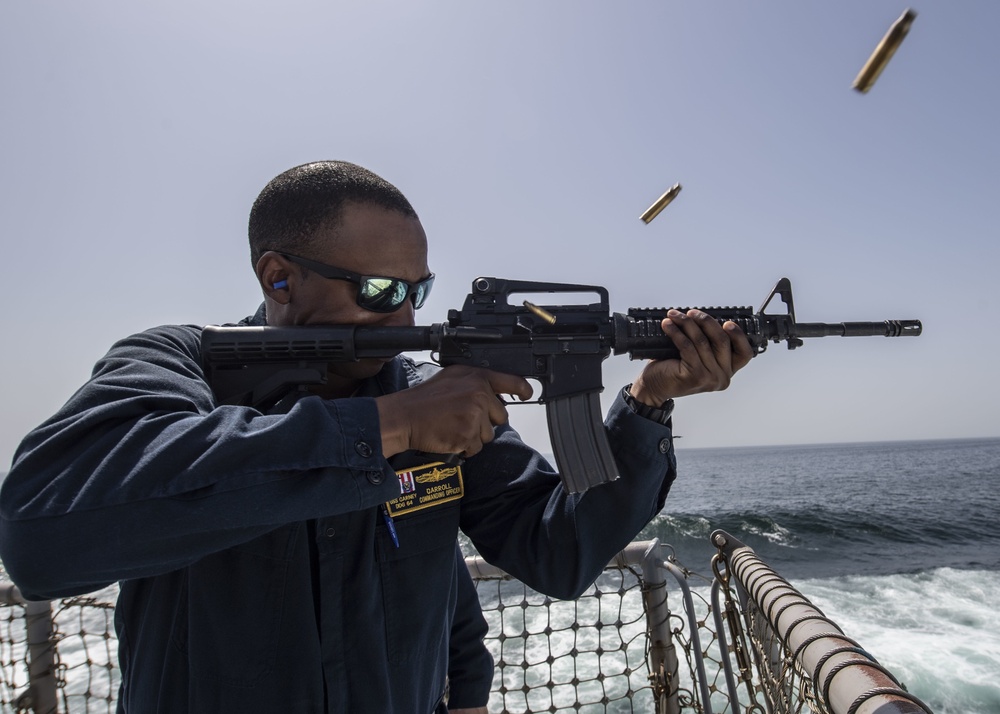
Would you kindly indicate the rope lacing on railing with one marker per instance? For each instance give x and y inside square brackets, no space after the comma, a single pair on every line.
[804,649]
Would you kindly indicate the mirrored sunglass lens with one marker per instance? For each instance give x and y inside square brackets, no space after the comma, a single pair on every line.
[423,290]
[381,293]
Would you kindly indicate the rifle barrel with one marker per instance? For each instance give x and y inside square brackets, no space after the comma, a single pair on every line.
[885,328]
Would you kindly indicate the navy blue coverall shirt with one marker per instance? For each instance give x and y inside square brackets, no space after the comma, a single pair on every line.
[257,571]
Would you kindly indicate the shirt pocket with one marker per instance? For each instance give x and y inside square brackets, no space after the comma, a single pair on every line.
[418,583]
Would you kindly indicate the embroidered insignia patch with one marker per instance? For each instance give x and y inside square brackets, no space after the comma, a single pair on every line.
[426,486]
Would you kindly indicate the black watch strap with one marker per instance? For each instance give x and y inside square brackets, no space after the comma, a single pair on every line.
[659,414]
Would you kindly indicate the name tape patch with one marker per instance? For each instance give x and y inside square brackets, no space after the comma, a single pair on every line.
[426,486]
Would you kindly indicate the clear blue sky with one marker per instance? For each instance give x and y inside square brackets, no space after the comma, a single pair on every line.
[529,136]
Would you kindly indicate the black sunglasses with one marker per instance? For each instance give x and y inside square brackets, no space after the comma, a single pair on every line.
[375,293]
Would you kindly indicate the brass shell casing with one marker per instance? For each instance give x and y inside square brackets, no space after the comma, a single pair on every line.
[883,52]
[540,312]
[661,203]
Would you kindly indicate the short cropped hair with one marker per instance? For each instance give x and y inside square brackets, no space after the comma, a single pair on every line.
[298,203]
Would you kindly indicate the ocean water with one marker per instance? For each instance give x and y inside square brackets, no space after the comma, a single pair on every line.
[897,542]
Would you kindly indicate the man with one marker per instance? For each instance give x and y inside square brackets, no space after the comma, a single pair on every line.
[261,568]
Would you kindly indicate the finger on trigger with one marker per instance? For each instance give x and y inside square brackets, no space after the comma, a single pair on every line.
[512,384]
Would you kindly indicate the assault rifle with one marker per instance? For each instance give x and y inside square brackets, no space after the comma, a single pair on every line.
[560,346]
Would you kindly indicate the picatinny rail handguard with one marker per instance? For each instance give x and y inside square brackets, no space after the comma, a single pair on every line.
[560,346]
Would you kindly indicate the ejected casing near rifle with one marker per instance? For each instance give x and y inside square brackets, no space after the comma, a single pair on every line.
[884,52]
[259,366]
[661,203]
[540,312]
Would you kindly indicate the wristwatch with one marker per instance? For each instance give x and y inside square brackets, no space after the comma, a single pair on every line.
[660,415]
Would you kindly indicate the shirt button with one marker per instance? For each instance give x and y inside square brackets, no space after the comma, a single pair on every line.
[363,448]
[375,477]
[664,445]
[331,532]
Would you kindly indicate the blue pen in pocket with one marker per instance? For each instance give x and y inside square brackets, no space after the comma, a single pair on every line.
[390,525]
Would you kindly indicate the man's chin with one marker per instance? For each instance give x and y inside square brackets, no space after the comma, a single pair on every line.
[362,369]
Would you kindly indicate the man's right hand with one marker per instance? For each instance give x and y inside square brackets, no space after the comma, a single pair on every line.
[453,412]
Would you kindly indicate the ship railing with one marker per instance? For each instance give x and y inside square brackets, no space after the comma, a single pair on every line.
[799,654]
[58,656]
[38,646]
[743,640]
[614,649]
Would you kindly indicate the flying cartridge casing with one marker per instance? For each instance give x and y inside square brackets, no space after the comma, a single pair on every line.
[884,52]
[661,203]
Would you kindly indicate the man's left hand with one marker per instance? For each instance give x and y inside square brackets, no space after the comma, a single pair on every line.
[710,354]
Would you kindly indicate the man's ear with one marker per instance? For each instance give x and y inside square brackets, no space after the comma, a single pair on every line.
[275,275]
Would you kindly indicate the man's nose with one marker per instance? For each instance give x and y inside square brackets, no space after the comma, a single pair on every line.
[403,317]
